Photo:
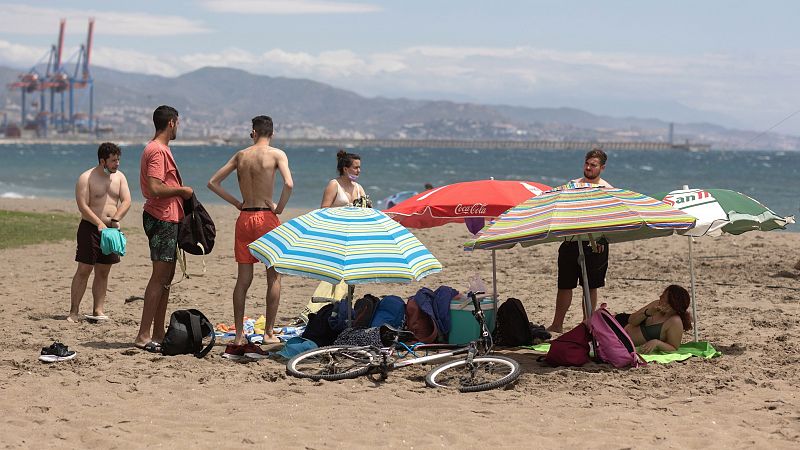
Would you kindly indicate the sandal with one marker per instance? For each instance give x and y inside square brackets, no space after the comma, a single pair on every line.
[151,347]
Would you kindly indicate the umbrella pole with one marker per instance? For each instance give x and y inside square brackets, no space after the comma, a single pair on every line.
[691,275]
[587,301]
[350,290]
[494,280]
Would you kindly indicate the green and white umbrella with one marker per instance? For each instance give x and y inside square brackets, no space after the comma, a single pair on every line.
[721,211]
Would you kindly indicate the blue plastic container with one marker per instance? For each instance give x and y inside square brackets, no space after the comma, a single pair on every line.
[464,328]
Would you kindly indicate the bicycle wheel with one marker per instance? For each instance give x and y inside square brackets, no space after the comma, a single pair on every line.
[336,362]
[486,372]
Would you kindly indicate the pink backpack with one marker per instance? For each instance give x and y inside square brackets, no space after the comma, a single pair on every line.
[614,345]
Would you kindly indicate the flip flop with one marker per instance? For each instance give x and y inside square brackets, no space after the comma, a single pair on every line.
[95,319]
[152,347]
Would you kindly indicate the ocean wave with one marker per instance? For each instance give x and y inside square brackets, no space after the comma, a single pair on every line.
[15,195]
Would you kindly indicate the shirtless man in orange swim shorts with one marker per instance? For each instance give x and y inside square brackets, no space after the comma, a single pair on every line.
[255,168]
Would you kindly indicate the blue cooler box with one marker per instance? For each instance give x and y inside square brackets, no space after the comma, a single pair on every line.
[463,326]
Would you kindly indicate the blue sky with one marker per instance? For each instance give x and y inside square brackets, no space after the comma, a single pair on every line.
[730,62]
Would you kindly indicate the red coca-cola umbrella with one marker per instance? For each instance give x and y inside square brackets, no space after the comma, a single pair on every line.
[457,202]
[469,202]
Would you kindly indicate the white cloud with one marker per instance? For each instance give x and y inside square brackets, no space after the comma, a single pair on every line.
[285,7]
[136,61]
[24,19]
[17,55]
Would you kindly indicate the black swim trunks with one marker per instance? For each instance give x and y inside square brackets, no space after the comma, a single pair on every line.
[162,237]
[569,271]
[88,250]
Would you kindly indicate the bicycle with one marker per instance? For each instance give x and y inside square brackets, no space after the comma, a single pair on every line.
[477,371]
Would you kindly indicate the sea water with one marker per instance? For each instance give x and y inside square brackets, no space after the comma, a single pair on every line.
[772,177]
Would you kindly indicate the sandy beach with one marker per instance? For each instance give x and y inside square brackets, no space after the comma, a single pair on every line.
[115,396]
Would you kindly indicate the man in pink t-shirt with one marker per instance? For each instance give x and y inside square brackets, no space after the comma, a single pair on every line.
[157,162]
[163,209]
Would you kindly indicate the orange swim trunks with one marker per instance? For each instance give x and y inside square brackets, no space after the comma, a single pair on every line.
[250,226]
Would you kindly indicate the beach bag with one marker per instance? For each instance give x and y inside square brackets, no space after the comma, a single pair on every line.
[318,328]
[196,231]
[513,328]
[571,348]
[324,294]
[391,310]
[420,322]
[187,328]
[360,337]
[365,310]
[614,345]
[342,310]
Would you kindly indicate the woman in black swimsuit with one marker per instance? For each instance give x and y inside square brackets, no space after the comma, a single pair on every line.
[660,324]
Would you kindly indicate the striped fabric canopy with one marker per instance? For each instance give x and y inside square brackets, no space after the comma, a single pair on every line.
[578,210]
[357,245]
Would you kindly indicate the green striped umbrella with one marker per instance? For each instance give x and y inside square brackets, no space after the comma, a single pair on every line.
[721,211]
[582,212]
[357,245]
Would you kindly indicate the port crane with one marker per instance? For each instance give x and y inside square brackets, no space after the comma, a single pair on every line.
[58,82]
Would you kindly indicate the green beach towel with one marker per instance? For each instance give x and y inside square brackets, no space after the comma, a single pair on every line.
[685,351]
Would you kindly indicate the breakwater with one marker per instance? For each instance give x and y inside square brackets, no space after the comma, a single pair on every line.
[485,144]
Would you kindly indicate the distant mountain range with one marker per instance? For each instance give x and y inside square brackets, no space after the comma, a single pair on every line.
[219,102]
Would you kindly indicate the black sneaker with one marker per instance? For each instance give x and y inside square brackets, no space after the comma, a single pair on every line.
[56,352]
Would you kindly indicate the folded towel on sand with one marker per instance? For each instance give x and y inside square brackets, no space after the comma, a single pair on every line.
[685,351]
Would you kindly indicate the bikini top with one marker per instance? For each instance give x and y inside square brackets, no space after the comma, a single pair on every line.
[341,196]
[651,331]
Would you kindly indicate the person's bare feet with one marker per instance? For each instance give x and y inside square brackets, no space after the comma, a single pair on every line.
[555,329]
[270,340]
[74,318]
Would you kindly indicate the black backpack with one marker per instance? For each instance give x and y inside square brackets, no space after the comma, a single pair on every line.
[196,232]
[342,311]
[318,328]
[187,328]
[364,310]
[513,328]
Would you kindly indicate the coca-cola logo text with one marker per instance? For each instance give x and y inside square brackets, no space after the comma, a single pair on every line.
[478,209]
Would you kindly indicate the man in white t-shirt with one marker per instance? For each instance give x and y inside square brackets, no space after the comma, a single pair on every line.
[569,271]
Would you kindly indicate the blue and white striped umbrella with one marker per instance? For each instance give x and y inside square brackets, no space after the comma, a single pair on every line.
[357,245]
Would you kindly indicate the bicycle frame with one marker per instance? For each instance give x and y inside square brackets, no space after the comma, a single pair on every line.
[480,346]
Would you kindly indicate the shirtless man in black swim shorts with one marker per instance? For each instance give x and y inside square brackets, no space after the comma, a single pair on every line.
[103,199]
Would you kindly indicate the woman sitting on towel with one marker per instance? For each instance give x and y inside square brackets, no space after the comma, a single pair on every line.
[660,324]
[344,190]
